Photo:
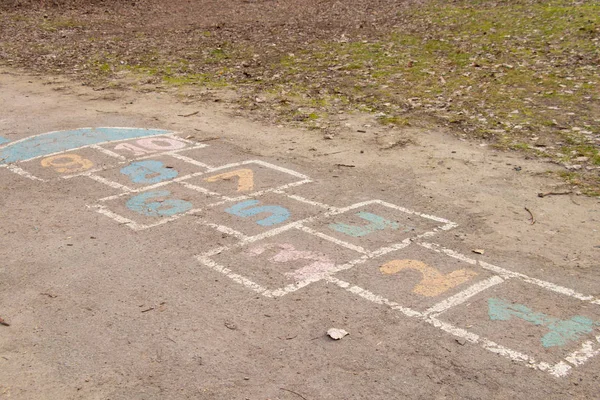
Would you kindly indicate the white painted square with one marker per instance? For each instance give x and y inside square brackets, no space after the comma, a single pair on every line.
[249,178]
[377,226]
[282,264]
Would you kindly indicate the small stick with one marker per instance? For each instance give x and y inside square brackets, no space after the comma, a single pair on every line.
[3,322]
[291,391]
[148,309]
[531,214]
[188,115]
[208,139]
[345,165]
[553,194]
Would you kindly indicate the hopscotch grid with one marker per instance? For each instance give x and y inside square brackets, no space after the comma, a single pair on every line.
[181,180]
[559,369]
[170,134]
[507,274]
[587,350]
[98,147]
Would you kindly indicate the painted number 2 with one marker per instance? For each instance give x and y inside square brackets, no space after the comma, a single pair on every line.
[433,282]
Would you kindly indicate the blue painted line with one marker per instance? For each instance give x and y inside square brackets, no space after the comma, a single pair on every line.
[56,142]
[3,140]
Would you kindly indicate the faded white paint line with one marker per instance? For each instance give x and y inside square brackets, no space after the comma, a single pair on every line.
[334,240]
[224,229]
[463,296]
[116,217]
[110,183]
[190,160]
[305,200]
[233,276]
[108,152]
[588,350]
[19,171]
[373,297]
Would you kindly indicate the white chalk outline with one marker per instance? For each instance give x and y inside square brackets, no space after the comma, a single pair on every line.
[447,225]
[301,225]
[587,350]
[182,180]
[110,153]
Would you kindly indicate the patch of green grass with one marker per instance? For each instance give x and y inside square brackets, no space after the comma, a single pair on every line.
[393,120]
[60,23]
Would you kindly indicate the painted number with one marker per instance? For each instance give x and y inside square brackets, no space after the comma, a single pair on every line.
[287,252]
[148,172]
[245,179]
[376,223]
[162,206]
[560,332]
[67,163]
[433,282]
[151,145]
[249,208]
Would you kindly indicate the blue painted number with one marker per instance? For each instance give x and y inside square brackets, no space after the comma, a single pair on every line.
[247,209]
[148,172]
[561,331]
[159,208]
[377,223]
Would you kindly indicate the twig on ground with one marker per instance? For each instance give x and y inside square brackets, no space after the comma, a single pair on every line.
[553,193]
[188,115]
[3,322]
[531,214]
[345,165]
[291,391]
[148,309]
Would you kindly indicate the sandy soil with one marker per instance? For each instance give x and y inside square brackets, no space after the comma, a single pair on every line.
[100,311]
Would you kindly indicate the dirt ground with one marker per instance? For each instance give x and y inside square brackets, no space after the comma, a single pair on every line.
[104,302]
[521,74]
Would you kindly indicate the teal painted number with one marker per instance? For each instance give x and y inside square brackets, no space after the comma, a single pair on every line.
[561,331]
[376,223]
[161,207]
[148,172]
[248,208]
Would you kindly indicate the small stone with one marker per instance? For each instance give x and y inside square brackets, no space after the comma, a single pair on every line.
[336,334]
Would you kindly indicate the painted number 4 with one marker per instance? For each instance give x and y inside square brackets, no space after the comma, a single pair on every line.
[560,332]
